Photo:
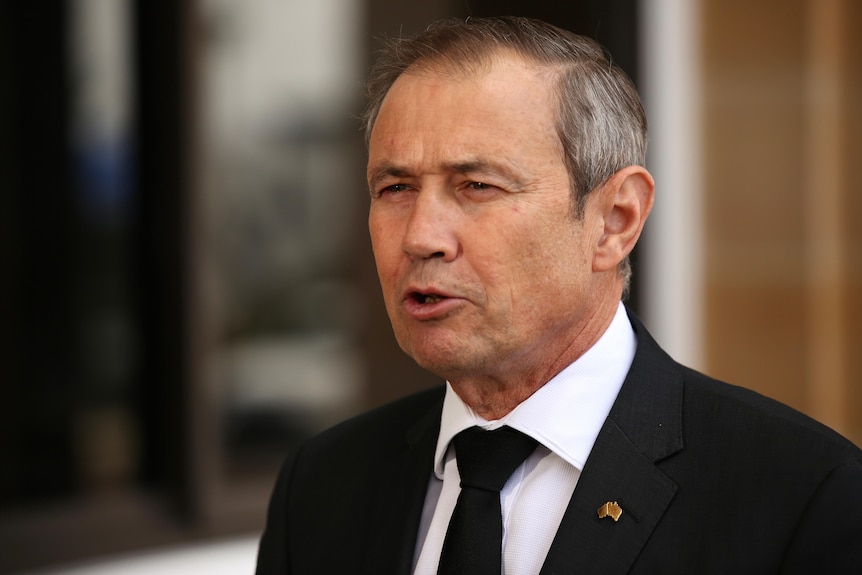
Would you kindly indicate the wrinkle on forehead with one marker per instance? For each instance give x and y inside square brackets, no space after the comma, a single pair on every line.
[478,67]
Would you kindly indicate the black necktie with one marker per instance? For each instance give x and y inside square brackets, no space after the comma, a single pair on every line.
[474,539]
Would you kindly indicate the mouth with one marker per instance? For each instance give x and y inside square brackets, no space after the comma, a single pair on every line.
[426,298]
[429,304]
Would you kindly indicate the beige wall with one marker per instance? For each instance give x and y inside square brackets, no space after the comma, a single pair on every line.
[783,245]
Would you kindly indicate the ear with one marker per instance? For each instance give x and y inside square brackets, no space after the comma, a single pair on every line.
[625,201]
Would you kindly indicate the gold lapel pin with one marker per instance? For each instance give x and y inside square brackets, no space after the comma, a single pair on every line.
[611,509]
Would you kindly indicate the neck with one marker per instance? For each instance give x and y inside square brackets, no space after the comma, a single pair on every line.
[492,402]
[493,396]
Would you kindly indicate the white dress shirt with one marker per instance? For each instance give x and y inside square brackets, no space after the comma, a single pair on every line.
[565,416]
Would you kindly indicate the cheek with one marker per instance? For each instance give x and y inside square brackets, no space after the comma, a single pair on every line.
[511,265]
[384,238]
[554,259]
[387,269]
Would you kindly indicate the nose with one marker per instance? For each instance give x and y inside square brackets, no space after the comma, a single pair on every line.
[430,231]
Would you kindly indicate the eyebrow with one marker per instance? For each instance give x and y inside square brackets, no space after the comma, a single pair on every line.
[387,170]
[464,167]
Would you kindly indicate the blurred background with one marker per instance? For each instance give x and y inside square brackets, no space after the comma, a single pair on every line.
[189,289]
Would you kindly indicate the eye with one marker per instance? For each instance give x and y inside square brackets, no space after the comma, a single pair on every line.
[395,188]
[480,191]
[390,190]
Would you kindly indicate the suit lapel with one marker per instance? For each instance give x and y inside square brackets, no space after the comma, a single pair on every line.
[400,497]
[618,472]
[644,426]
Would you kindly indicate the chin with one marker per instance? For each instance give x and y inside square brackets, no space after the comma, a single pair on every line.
[445,353]
[435,360]
[450,365]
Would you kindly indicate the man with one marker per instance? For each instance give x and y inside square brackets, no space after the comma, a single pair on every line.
[507,191]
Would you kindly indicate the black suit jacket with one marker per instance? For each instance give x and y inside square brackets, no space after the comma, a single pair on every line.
[711,478]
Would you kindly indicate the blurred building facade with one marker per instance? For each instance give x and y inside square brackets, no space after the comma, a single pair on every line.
[192,290]
[782,132]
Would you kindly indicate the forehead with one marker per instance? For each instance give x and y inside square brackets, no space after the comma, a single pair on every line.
[505,108]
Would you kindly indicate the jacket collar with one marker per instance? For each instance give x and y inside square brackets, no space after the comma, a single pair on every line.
[644,426]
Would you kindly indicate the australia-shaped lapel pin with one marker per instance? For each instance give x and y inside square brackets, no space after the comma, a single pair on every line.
[611,509]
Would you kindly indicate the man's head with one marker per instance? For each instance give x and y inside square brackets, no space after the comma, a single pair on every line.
[480,134]
[600,119]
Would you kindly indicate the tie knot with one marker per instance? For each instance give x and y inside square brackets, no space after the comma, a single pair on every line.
[486,459]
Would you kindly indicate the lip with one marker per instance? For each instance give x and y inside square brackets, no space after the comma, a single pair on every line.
[441,305]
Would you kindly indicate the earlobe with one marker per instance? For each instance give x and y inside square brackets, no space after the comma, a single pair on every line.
[626,200]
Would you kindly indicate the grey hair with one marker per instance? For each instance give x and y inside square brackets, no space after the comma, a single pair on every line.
[600,119]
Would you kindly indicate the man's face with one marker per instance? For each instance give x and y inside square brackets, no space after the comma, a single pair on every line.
[484,268]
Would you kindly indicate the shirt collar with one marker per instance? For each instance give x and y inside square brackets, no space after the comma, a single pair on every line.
[567,413]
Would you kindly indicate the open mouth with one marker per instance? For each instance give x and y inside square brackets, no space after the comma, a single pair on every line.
[426,298]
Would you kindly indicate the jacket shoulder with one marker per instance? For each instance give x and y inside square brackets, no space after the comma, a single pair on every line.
[719,411]
[384,424]
[745,411]
[361,443]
